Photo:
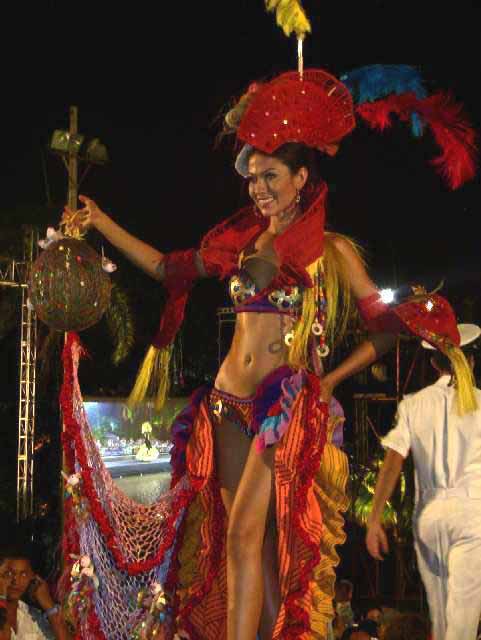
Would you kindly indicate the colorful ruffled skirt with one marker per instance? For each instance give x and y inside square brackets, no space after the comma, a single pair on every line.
[310,481]
[179,541]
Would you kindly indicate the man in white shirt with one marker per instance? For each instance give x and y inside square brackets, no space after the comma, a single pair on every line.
[24,622]
[446,449]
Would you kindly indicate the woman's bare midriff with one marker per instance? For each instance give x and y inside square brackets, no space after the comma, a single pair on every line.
[258,348]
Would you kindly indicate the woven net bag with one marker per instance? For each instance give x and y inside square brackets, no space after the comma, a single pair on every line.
[68,287]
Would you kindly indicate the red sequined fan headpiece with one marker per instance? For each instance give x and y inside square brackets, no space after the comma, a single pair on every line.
[317,111]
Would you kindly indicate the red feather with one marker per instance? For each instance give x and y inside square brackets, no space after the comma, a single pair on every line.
[450,128]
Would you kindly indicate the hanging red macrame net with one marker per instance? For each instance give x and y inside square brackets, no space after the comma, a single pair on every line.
[129,544]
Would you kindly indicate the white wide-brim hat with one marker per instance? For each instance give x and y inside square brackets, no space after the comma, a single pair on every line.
[468,332]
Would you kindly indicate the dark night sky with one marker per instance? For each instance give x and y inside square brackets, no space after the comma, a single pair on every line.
[152,99]
[150,80]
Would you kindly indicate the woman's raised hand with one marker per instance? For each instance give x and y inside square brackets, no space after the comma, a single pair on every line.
[82,219]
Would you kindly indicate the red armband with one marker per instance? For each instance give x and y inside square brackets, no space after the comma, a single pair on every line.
[377,315]
[180,270]
[180,274]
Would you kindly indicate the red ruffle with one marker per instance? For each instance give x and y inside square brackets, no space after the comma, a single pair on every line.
[216,554]
[311,454]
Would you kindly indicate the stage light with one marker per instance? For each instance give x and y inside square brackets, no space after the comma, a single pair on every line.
[63,142]
[91,152]
[96,152]
[387,296]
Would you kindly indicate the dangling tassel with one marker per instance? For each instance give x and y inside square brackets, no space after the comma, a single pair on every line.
[153,377]
[299,347]
[464,380]
[318,327]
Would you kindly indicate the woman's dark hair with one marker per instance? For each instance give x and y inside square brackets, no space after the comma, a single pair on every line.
[370,627]
[441,361]
[23,549]
[296,155]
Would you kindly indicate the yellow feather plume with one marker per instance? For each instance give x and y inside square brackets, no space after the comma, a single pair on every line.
[290,16]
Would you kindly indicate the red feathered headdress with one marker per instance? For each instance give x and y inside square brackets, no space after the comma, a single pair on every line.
[450,128]
[316,110]
[319,111]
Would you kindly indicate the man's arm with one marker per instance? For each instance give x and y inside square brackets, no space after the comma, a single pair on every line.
[52,611]
[376,539]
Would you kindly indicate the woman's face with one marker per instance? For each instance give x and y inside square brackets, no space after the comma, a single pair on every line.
[272,186]
[20,573]
[4,576]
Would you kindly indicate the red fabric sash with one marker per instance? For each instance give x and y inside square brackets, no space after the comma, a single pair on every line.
[297,248]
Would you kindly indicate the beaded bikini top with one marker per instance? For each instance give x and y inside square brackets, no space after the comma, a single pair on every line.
[247,296]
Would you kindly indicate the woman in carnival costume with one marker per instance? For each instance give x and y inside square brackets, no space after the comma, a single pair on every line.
[253,546]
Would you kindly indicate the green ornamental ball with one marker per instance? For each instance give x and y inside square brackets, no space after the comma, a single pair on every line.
[68,288]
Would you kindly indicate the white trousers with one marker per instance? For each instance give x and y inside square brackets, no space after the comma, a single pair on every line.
[447,532]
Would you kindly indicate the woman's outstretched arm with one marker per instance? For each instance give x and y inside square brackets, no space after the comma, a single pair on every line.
[141,254]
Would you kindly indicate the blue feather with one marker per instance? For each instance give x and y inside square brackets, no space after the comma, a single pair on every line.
[371,83]
[417,126]
[378,81]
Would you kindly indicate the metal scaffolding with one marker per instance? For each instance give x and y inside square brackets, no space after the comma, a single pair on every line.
[225,317]
[15,274]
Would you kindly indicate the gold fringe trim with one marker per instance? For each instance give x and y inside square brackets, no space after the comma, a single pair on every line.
[465,382]
[340,302]
[330,489]
[153,378]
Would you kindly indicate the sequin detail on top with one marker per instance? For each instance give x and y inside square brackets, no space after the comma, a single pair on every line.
[246,297]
